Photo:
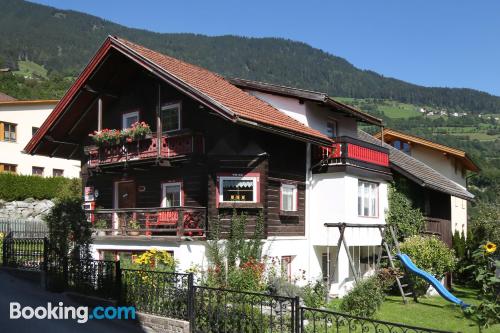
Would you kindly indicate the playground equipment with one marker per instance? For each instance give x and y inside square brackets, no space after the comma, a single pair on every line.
[385,252]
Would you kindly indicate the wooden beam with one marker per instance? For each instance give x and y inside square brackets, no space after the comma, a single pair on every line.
[99,114]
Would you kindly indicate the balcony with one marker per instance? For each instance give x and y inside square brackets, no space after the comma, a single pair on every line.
[351,151]
[149,223]
[168,146]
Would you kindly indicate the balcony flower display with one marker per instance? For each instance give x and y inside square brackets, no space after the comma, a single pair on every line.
[110,137]
[138,130]
[106,137]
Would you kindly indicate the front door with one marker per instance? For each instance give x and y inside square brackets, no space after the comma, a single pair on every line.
[125,194]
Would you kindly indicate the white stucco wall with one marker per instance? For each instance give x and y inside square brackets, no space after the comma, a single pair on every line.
[27,116]
[310,114]
[444,164]
[458,215]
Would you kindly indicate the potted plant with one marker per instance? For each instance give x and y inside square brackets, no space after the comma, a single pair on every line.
[100,225]
[107,137]
[133,227]
[138,131]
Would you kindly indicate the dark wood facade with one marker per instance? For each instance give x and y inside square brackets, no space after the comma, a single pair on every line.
[228,149]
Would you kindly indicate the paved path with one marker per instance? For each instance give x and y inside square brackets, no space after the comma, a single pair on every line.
[13,289]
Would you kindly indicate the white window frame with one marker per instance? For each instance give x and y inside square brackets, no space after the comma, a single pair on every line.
[164,193]
[167,106]
[128,115]
[372,195]
[223,178]
[293,187]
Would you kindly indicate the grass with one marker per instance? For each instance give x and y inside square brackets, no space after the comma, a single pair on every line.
[433,312]
[31,69]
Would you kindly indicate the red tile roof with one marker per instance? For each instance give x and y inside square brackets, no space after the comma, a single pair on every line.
[6,98]
[215,87]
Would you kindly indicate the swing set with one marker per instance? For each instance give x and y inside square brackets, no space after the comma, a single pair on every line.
[383,253]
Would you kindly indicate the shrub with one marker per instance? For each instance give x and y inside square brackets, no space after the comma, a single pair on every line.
[158,260]
[365,298]
[408,221]
[431,255]
[314,294]
[20,187]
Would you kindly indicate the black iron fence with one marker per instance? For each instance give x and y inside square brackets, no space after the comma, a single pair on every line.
[227,311]
[24,253]
[325,321]
[209,310]
[160,293]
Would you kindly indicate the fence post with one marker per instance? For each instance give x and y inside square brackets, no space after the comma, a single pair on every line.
[118,281]
[296,310]
[190,299]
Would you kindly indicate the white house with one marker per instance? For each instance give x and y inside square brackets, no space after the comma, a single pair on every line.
[19,121]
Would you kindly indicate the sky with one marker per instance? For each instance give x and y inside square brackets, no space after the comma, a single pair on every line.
[445,43]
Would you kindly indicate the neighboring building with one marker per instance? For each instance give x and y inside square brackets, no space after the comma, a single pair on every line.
[452,163]
[19,120]
[293,155]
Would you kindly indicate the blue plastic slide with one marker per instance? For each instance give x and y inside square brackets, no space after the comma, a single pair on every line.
[431,279]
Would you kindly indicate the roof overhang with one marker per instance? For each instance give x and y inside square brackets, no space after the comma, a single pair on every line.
[31,102]
[306,95]
[112,43]
[390,134]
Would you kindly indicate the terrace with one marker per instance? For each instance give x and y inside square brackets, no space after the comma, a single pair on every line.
[350,151]
[149,223]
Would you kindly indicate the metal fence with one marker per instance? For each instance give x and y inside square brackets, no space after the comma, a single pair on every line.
[160,293]
[23,253]
[227,311]
[24,228]
[325,321]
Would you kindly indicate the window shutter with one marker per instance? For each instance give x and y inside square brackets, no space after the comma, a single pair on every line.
[1,133]
[1,166]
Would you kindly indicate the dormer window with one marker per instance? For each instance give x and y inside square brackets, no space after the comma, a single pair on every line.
[403,146]
[170,117]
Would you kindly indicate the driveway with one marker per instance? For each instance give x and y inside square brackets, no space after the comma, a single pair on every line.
[14,289]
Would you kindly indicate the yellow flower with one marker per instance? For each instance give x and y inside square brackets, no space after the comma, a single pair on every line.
[490,247]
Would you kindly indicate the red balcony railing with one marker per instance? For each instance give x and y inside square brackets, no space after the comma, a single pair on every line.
[175,222]
[170,147]
[347,149]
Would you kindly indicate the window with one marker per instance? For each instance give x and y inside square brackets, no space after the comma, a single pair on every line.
[288,197]
[8,132]
[331,129]
[238,189]
[4,167]
[367,199]
[286,267]
[170,117]
[333,269]
[34,130]
[57,172]
[171,195]
[403,146]
[129,119]
[38,171]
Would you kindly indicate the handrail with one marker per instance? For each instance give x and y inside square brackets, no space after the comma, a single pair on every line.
[144,209]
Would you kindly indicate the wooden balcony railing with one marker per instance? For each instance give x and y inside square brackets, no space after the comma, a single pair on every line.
[346,149]
[169,146]
[177,222]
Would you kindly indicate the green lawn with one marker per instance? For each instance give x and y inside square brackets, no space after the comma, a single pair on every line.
[31,69]
[432,312]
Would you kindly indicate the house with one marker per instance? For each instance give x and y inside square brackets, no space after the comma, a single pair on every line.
[293,156]
[454,164]
[19,120]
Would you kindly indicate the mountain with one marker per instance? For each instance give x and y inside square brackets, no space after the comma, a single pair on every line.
[63,41]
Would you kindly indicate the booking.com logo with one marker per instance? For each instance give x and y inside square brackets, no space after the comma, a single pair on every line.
[81,314]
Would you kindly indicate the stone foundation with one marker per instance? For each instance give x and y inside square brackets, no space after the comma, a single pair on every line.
[156,324]
[29,209]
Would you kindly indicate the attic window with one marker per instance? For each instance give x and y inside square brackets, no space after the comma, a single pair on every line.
[170,117]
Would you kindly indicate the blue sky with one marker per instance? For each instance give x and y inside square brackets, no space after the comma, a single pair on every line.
[453,43]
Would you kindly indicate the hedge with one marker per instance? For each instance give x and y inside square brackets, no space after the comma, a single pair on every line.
[20,187]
